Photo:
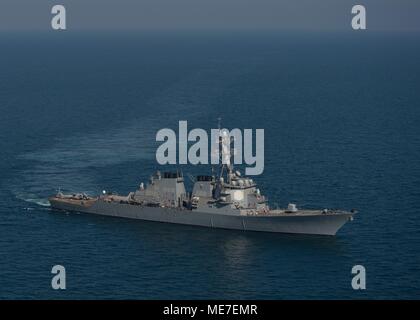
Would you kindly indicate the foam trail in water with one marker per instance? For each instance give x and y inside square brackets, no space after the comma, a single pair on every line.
[29,198]
[67,162]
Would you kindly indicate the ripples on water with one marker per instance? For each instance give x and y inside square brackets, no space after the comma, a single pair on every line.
[336,136]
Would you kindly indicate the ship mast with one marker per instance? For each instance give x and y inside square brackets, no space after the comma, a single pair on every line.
[223,149]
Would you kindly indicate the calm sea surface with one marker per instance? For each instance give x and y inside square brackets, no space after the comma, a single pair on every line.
[341,114]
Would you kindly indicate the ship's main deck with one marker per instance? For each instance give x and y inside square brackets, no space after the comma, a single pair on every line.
[283,212]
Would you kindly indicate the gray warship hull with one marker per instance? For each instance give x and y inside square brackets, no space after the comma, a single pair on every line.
[304,222]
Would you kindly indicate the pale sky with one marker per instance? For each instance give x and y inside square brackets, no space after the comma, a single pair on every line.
[191,15]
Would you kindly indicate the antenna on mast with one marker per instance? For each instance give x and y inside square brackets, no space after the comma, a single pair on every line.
[213,169]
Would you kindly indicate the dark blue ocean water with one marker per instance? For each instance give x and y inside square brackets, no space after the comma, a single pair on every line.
[341,114]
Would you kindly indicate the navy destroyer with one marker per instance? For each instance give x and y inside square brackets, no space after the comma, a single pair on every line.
[224,200]
[235,203]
